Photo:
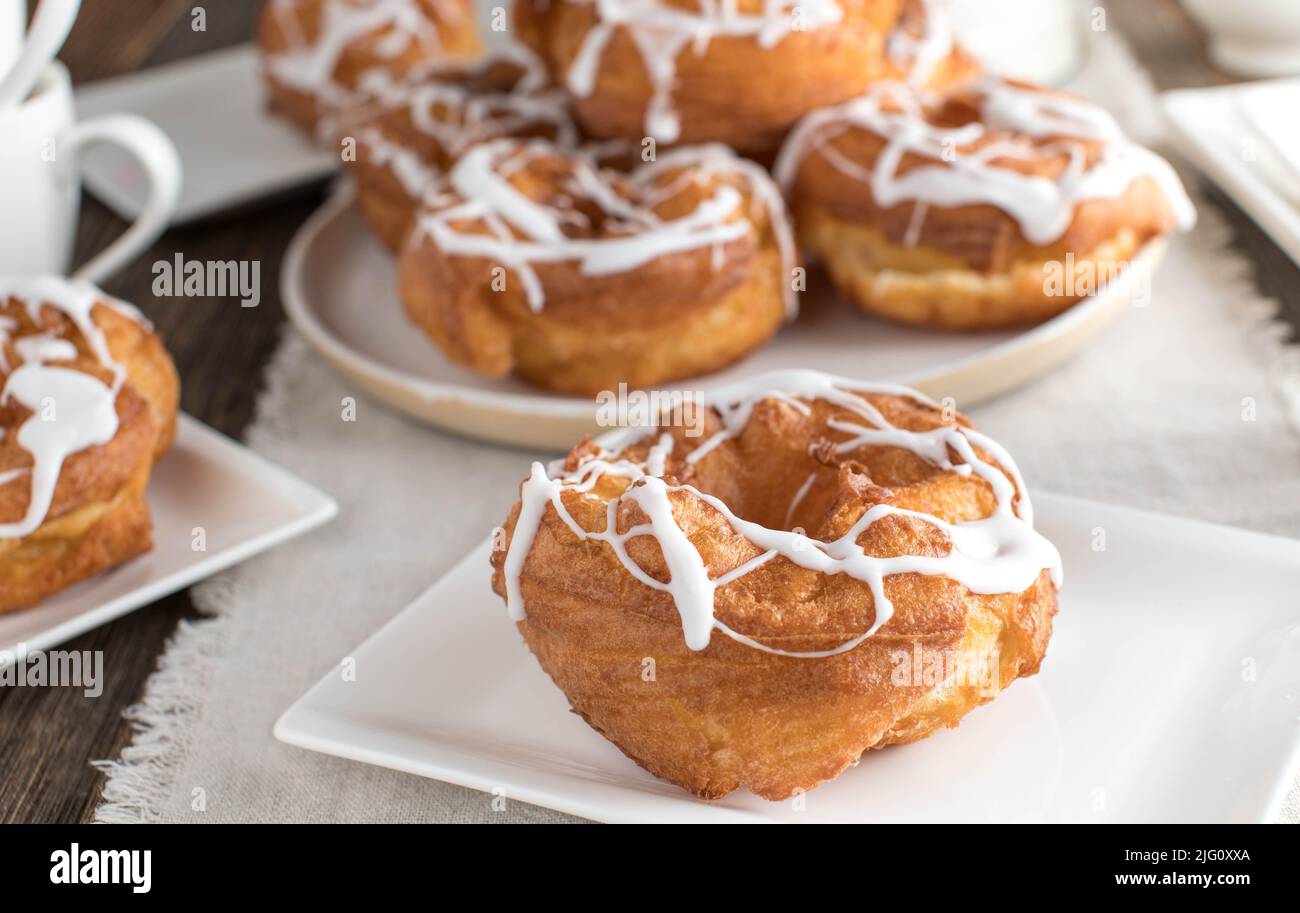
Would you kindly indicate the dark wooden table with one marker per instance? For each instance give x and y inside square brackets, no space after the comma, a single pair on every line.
[48,735]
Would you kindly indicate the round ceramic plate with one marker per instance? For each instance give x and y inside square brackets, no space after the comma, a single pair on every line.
[340,291]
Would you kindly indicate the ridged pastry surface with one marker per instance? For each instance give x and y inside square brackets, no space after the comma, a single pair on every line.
[758,605]
[533,260]
[89,404]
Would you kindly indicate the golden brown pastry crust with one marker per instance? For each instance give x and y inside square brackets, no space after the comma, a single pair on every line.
[679,315]
[99,515]
[734,91]
[307,94]
[968,267]
[77,546]
[921,286]
[730,716]
[907,50]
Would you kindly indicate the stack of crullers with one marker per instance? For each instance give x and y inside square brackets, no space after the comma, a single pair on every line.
[622,190]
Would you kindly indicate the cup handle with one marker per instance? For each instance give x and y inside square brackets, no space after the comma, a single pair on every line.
[162,167]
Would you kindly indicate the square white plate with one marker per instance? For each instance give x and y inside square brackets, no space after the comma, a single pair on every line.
[232,151]
[1171,692]
[1215,129]
[244,503]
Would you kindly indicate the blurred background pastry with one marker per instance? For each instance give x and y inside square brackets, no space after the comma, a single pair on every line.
[315,52]
[693,71]
[923,50]
[409,133]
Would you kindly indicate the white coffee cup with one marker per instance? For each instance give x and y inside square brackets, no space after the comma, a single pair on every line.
[40,183]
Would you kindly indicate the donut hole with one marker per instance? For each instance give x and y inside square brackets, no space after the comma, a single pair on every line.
[580,194]
[784,470]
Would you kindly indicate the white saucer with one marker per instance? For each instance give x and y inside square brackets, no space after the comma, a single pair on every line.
[212,107]
[244,504]
[339,289]
[1170,693]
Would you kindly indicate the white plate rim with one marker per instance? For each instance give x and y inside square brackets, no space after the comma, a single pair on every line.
[289,729]
[315,509]
[560,408]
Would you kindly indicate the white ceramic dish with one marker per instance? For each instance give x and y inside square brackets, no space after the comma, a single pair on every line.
[339,289]
[1250,37]
[244,503]
[1214,129]
[212,108]
[1170,692]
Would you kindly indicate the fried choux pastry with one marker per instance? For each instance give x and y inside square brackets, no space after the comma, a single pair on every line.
[923,51]
[317,54]
[831,566]
[692,71]
[996,204]
[88,404]
[409,133]
[534,261]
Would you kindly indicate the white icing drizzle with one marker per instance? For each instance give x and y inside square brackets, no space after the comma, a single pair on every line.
[84,410]
[923,38]
[794,502]
[523,232]
[7,326]
[1001,553]
[410,169]
[384,86]
[960,175]
[456,116]
[661,32]
[309,66]
[489,116]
